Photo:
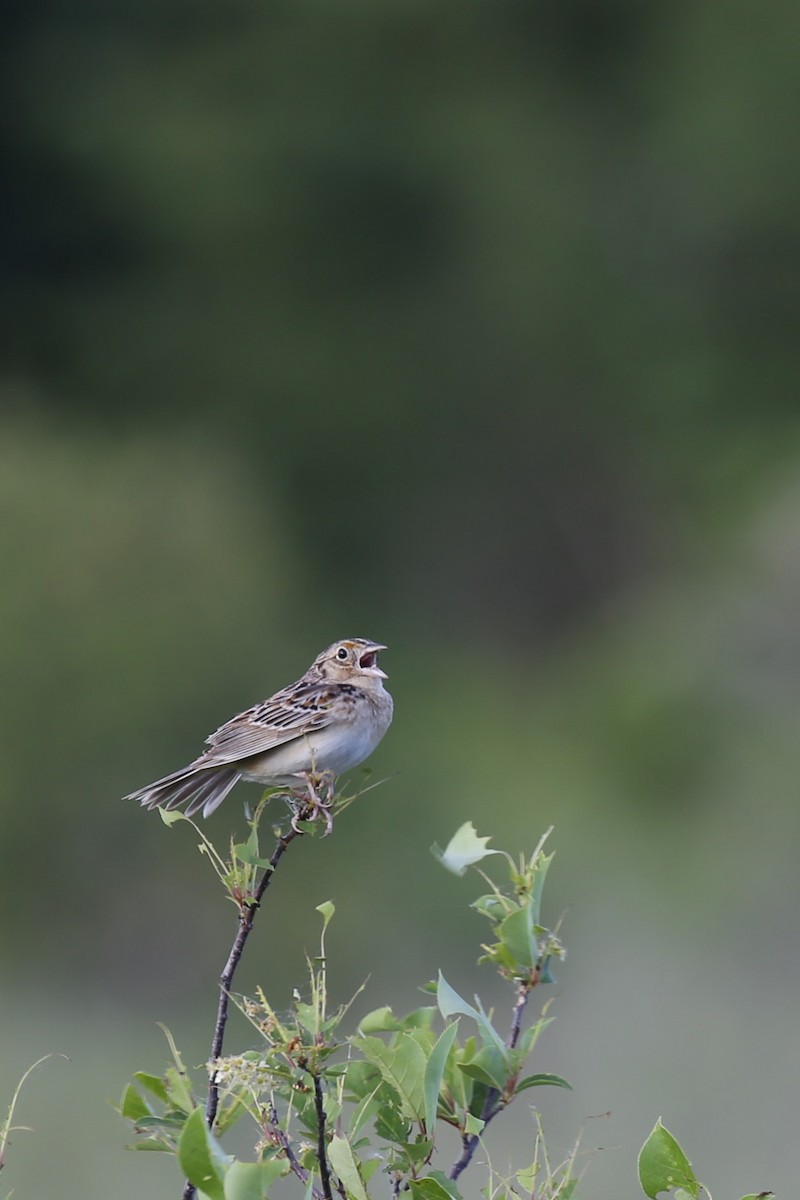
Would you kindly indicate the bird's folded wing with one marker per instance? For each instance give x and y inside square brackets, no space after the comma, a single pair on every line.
[290,714]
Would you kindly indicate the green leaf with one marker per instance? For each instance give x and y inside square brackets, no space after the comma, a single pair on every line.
[327,908]
[530,1036]
[177,1089]
[389,1121]
[486,1067]
[151,1144]
[247,852]
[133,1105]
[250,1181]
[463,850]
[345,1164]
[542,866]
[434,1187]
[380,1020]
[450,1003]
[361,1078]
[416,1152]
[516,933]
[153,1083]
[663,1165]
[419,1018]
[490,1035]
[473,1125]
[434,1073]
[542,1079]
[169,818]
[365,1110]
[402,1064]
[202,1161]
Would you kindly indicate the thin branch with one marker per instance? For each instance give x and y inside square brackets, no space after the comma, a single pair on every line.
[246,919]
[322,1149]
[523,991]
[492,1103]
[283,1141]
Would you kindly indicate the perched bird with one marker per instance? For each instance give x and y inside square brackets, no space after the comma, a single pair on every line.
[327,722]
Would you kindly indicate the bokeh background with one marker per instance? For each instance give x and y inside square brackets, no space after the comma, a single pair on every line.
[471,328]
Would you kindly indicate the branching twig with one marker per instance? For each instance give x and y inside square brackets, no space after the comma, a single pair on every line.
[322,1149]
[492,1103]
[288,1150]
[246,919]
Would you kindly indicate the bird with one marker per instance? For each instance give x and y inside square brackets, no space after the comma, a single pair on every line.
[327,722]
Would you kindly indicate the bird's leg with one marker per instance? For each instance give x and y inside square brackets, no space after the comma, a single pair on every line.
[314,805]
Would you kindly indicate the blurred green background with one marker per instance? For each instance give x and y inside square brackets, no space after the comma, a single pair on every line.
[471,328]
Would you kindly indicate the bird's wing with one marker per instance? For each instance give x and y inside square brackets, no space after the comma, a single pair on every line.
[292,713]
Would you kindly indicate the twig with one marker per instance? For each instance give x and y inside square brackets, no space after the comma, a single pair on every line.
[492,1103]
[322,1149]
[246,919]
[523,991]
[285,1145]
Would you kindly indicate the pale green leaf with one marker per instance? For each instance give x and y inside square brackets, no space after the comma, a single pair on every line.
[463,850]
[345,1164]
[169,818]
[327,908]
[250,1181]
[450,1003]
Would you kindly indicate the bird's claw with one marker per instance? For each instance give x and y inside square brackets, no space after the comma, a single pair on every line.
[313,806]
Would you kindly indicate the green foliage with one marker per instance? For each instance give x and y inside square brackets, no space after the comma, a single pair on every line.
[377,1094]
[665,1169]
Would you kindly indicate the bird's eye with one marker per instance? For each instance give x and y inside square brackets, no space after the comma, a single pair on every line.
[341,653]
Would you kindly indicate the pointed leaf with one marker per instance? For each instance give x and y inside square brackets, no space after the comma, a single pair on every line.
[153,1083]
[463,850]
[201,1158]
[450,1002]
[345,1164]
[542,1079]
[133,1105]
[516,933]
[169,818]
[487,1068]
[663,1165]
[327,908]
[434,1072]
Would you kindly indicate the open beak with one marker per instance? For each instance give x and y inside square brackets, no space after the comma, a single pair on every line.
[368,662]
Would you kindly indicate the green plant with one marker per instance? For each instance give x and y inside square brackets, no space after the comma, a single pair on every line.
[664,1169]
[334,1108]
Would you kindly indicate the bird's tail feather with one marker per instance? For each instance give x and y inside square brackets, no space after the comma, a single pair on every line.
[196,787]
